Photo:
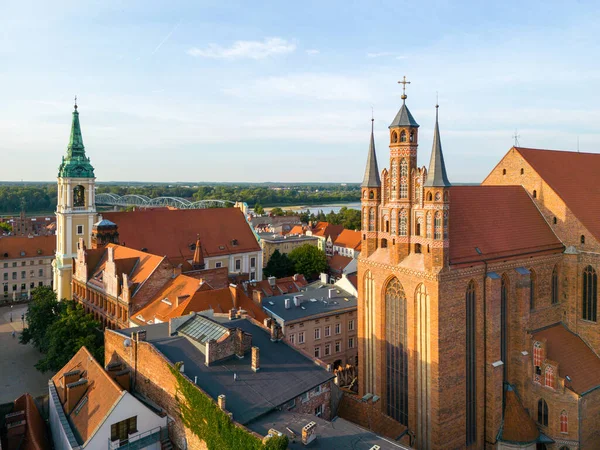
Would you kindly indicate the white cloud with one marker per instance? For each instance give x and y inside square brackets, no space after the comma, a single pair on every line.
[312,51]
[245,49]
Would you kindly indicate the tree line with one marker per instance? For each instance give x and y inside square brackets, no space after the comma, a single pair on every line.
[348,217]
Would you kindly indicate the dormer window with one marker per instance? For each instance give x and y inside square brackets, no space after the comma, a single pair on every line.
[234,242]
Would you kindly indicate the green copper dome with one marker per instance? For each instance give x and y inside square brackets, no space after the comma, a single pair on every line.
[75,164]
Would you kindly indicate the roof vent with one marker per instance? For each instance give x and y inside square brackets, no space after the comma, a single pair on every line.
[144,249]
[167,301]
[288,303]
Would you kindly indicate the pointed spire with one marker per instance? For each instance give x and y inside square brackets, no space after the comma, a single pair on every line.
[75,164]
[75,147]
[198,261]
[371,178]
[436,175]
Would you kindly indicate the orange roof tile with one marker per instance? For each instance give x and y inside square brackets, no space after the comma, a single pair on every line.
[348,239]
[325,229]
[222,231]
[282,286]
[502,221]
[102,394]
[13,246]
[338,262]
[35,434]
[573,356]
[517,425]
[297,229]
[569,174]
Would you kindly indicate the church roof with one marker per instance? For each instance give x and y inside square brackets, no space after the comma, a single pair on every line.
[436,175]
[404,118]
[500,221]
[76,164]
[570,175]
[371,178]
[517,426]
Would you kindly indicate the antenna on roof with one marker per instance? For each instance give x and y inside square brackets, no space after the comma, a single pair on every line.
[516,138]
[577,144]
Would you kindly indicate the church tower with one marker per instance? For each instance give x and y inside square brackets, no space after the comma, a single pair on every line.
[371,200]
[75,210]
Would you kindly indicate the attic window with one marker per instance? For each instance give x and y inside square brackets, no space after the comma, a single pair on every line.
[534,193]
[503,171]
[22,253]
[583,239]
[522,171]
[234,242]
[144,249]
[554,221]
[167,301]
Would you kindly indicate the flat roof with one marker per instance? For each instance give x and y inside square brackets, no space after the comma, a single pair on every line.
[273,237]
[284,372]
[337,434]
[314,301]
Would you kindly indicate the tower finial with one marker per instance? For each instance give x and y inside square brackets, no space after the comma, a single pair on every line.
[75,102]
[403,83]
[372,119]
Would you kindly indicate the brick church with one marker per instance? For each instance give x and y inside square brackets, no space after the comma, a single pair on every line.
[478,304]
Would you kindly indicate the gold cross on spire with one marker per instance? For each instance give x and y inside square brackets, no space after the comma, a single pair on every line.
[403,83]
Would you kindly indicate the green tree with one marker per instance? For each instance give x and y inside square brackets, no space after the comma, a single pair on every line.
[308,260]
[277,212]
[73,330]
[43,311]
[277,443]
[5,227]
[279,266]
[258,209]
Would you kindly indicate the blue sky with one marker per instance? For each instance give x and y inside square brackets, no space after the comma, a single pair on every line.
[282,91]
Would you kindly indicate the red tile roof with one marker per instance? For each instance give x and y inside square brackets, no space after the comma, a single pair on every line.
[502,221]
[337,263]
[325,229]
[573,356]
[35,246]
[517,425]
[222,231]
[35,437]
[570,174]
[102,394]
[286,285]
[349,239]
[297,229]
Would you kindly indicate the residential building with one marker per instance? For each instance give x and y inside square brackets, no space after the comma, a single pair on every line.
[477,304]
[25,263]
[273,224]
[257,290]
[22,426]
[341,265]
[92,408]
[321,320]
[23,225]
[347,243]
[284,244]
[327,234]
[237,363]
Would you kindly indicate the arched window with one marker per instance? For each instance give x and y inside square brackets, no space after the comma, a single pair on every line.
[412,136]
[396,352]
[422,305]
[582,239]
[532,287]
[549,377]
[534,193]
[78,196]
[371,195]
[503,171]
[403,136]
[555,285]
[417,248]
[402,223]
[564,423]
[372,220]
[537,357]
[384,243]
[387,224]
[589,293]
[403,179]
[394,182]
[370,338]
[554,221]
[542,416]
[394,137]
[438,197]
[445,224]
[365,194]
[365,221]
[503,320]
[522,171]
[417,190]
[418,226]
[437,232]
[393,221]
[429,197]
[471,364]
[428,225]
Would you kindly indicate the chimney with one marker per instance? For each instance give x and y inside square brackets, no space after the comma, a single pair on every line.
[70,377]
[111,254]
[324,278]
[177,271]
[239,338]
[232,312]
[75,392]
[297,300]
[272,281]
[275,331]
[288,303]
[331,293]
[267,322]
[295,277]
[141,335]
[221,401]
[309,433]
[255,359]
[258,296]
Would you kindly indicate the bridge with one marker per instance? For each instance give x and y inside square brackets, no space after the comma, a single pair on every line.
[141,201]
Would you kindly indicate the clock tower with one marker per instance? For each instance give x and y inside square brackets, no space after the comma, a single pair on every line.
[75,209]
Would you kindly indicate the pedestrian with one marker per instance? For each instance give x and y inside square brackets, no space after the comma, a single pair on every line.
[14,334]
[11,316]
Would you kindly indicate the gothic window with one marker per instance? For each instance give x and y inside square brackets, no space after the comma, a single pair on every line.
[522,171]
[429,197]
[384,243]
[394,177]
[394,137]
[549,377]
[503,329]
[403,179]
[370,341]
[428,225]
[590,293]
[503,171]
[471,364]
[402,225]
[417,190]
[371,195]
[393,222]
[564,422]
[423,426]
[418,226]
[582,239]
[534,193]
[79,196]
[372,220]
[555,285]
[542,416]
[537,357]
[437,232]
[412,136]
[365,194]
[403,136]
[437,197]
[417,248]
[532,287]
[445,224]
[386,221]
[396,352]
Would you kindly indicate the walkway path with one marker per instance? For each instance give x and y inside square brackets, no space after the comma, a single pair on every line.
[17,372]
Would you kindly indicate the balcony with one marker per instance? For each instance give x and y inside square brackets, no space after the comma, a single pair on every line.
[139,441]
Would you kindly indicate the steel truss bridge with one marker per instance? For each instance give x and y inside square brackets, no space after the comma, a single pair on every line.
[141,201]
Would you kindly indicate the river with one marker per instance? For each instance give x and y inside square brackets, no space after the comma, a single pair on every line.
[335,207]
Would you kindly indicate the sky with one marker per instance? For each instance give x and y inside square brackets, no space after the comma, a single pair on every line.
[283,91]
